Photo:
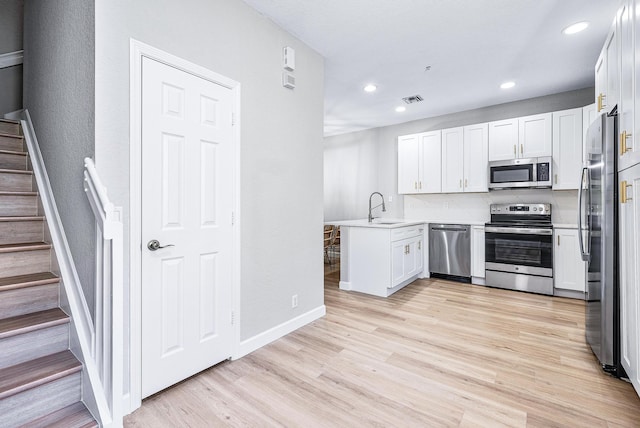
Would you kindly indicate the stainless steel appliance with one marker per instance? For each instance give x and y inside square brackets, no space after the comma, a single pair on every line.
[450,251]
[597,214]
[519,248]
[531,173]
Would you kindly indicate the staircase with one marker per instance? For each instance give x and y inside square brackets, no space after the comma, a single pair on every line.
[40,378]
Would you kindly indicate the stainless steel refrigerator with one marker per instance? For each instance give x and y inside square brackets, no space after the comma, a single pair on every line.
[597,222]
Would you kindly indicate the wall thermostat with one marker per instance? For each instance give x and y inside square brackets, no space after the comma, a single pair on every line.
[289,58]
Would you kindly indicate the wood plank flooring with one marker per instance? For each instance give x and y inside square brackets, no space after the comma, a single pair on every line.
[436,353]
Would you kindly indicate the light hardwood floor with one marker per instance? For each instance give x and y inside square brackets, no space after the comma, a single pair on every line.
[436,353]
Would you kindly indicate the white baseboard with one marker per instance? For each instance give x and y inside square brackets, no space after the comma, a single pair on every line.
[258,341]
[345,285]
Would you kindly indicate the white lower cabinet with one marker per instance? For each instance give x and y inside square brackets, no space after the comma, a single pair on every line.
[477,254]
[380,261]
[568,267]
[629,256]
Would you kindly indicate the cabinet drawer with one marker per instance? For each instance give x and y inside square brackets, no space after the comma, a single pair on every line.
[406,232]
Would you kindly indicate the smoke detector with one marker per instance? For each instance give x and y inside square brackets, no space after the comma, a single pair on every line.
[413,99]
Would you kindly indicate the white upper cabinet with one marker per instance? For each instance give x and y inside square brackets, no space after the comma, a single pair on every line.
[419,163]
[589,114]
[628,155]
[431,180]
[535,136]
[452,160]
[524,137]
[476,162]
[567,148]
[409,159]
[503,139]
[607,73]
[464,159]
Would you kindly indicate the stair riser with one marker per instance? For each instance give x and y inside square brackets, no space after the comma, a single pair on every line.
[25,262]
[10,128]
[21,232]
[37,402]
[29,299]
[15,182]
[11,205]
[14,144]
[10,161]
[35,344]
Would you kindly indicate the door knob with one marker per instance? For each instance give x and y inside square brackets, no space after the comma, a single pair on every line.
[154,245]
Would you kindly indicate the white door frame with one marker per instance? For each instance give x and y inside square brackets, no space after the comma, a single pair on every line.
[133,399]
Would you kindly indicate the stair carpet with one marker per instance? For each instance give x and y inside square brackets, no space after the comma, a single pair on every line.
[40,378]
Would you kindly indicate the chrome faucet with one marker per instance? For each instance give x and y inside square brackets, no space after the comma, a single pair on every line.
[370,209]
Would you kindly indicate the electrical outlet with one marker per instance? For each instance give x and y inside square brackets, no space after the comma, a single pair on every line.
[446,205]
[390,198]
[294,301]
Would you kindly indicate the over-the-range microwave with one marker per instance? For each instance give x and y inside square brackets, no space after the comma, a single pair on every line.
[531,173]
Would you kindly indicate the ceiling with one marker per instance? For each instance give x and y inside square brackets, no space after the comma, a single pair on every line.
[471,46]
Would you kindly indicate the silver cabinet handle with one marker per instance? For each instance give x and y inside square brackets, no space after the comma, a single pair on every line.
[154,245]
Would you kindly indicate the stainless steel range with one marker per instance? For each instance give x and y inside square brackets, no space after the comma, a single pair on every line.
[519,248]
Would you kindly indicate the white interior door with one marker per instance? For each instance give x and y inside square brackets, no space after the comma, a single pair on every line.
[187,198]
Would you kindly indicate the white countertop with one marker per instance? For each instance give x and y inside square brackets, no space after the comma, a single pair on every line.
[378,223]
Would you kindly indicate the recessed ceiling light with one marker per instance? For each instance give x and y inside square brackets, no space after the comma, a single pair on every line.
[575,28]
[400,109]
[370,88]
[508,85]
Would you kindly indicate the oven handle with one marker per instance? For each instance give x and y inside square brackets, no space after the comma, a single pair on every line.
[518,230]
[584,254]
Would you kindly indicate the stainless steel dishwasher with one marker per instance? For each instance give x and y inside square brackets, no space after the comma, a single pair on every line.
[450,251]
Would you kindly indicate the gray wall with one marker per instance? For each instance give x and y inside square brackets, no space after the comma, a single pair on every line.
[359,163]
[11,18]
[59,94]
[281,142]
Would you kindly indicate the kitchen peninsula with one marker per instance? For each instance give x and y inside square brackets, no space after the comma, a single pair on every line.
[382,256]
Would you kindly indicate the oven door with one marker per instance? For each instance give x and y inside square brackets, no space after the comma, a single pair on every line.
[519,250]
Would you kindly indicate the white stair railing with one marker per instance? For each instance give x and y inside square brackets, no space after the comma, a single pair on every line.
[109,290]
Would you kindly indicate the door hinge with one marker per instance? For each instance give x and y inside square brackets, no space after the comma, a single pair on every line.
[233,218]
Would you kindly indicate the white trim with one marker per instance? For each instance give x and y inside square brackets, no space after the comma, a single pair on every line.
[12,58]
[258,341]
[133,399]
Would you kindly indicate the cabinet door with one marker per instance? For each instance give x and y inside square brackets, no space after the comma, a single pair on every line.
[568,267]
[411,258]
[431,181]
[476,152]
[503,139]
[589,114]
[613,69]
[626,103]
[629,241]
[419,255]
[535,136]
[477,251]
[398,252]
[408,163]
[567,149]
[601,81]
[452,160]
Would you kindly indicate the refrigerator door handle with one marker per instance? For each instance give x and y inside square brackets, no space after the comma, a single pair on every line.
[583,253]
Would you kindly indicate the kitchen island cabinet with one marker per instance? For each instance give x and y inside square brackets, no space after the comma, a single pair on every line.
[382,257]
